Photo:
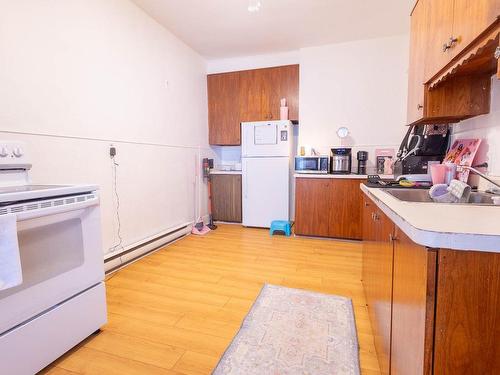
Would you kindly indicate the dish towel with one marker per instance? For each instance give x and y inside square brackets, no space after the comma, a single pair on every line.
[10,262]
[460,190]
[440,194]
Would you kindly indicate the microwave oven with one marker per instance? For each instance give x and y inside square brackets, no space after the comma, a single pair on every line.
[312,164]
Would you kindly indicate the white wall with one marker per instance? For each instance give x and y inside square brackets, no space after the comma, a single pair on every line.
[76,76]
[361,85]
[486,127]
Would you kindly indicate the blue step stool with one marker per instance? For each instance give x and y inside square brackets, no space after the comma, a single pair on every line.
[281,225]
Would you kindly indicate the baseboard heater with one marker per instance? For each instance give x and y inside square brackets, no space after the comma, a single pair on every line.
[138,251]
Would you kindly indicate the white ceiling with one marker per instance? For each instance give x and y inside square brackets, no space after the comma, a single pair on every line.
[225,28]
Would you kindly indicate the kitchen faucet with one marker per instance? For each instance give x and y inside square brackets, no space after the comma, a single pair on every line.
[482,175]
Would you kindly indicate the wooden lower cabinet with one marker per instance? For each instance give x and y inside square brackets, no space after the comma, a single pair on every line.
[467,334]
[226,197]
[328,207]
[432,311]
[378,231]
[413,300]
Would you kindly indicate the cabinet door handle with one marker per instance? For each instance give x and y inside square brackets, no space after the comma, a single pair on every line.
[450,44]
[392,238]
[419,107]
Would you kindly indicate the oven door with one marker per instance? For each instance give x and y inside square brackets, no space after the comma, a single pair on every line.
[61,256]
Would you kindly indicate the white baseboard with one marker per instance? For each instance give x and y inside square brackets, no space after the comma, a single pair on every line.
[117,262]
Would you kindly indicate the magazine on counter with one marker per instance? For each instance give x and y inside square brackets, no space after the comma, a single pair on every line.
[463,152]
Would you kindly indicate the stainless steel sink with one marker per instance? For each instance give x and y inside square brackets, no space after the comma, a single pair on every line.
[422,196]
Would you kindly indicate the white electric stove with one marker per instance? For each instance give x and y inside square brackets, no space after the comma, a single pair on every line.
[61,299]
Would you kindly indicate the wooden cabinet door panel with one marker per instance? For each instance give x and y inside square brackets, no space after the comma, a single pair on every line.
[368,244]
[467,313]
[471,18]
[439,15]
[413,296]
[289,89]
[311,207]
[223,109]
[345,207]
[226,197]
[271,92]
[418,46]
[377,278]
[262,89]
[251,92]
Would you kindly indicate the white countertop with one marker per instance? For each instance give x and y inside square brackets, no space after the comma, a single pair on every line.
[351,176]
[439,225]
[216,171]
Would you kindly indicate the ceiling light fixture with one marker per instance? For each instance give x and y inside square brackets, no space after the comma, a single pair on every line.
[254,6]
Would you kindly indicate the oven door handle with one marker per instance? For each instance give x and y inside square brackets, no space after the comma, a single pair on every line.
[54,210]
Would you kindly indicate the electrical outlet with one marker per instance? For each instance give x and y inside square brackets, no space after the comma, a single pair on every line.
[112,151]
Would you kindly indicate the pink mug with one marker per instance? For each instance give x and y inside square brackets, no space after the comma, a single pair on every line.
[438,173]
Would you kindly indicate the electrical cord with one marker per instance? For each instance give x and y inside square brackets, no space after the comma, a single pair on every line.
[114,168]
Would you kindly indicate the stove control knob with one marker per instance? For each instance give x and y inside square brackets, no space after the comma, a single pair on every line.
[3,152]
[18,152]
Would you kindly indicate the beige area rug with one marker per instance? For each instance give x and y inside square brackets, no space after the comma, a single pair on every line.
[291,331]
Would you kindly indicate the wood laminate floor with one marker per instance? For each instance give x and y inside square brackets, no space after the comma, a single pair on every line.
[176,310]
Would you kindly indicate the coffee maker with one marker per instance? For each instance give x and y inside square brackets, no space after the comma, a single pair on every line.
[362,157]
[340,161]
[422,146]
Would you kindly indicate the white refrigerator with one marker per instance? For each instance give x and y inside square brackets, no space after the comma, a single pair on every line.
[265,154]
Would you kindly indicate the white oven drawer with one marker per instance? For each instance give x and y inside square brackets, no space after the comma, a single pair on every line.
[32,346]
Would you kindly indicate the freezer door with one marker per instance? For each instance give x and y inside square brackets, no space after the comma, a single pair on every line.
[265,191]
[266,138]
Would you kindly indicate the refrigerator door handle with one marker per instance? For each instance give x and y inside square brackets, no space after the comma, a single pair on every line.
[245,178]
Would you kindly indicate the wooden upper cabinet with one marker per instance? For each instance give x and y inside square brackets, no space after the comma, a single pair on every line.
[250,95]
[251,91]
[224,109]
[439,26]
[418,46]
[288,77]
[452,26]
[262,89]
[471,18]
[462,96]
